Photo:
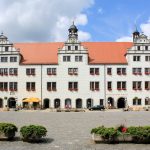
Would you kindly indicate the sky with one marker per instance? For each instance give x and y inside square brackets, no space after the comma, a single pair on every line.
[97,20]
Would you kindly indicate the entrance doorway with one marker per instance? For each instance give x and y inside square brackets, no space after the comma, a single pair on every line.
[89,103]
[46,103]
[1,103]
[11,102]
[57,103]
[121,103]
[68,103]
[78,103]
[110,102]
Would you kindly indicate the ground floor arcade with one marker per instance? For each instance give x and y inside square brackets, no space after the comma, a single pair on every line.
[111,102]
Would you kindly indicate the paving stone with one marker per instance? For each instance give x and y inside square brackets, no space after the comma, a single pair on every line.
[71,130]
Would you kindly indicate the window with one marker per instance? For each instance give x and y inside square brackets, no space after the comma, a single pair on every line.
[137,71]
[30,71]
[109,71]
[136,101]
[109,86]
[78,58]
[121,71]
[30,86]
[3,86]
[138,48]
[101,102]
[147,85]
[51,71]
[121,85]
[13,59]
[136,58]
[94,71]
[13,86]
[4,59]
[69,47]
[137,85]
[73,71]
[6,49]
[94,86]
[73,86]
[147,71]
[124,71]
[146,48]
[3,71]
[51,86]
[147,101]
[76,47]
[147,58]
[13,71]
[66,58]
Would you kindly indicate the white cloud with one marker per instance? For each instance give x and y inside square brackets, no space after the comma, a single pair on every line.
[84,36]
[81,19]
[41,20]
[145,27]
[125,39]
[62,25]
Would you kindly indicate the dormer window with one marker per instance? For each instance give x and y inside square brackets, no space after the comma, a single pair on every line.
[69,47]
[13,59]
[4,59]
[147,58]
[136,58]
[6,49]
[146,48]
[76,47]
[78,58]
[138,48]
[66,58]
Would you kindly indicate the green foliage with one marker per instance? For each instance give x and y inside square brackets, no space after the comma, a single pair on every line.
[107,133]
[7,128]
[139,134]
[33,131]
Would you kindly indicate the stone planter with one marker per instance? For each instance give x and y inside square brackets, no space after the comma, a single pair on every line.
[125,138]
[32,139]
[97,138]
[8,136]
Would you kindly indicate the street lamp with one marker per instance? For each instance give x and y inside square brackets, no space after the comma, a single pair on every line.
[126,103]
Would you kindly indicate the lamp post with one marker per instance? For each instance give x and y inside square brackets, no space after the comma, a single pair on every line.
[126,103]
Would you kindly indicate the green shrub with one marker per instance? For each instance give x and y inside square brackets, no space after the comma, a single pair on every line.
[7,128]
[98,130]
[139,134]
[106,133]
[33,132]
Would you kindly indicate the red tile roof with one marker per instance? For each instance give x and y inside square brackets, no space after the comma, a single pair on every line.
[107,52]
[99,52]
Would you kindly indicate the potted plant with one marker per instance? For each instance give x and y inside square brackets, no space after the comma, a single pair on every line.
[32,133]
[7,131]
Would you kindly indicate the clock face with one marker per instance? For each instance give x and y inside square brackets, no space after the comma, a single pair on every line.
[72,40]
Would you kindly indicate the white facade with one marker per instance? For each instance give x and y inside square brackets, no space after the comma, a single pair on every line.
[80,93]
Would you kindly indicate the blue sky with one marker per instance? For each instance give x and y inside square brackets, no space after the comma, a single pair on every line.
[97,20]
[109,20]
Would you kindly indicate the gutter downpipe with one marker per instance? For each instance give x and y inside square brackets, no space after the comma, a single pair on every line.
[105,85]
[41,87]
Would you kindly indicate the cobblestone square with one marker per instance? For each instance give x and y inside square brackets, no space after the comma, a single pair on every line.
[71,130]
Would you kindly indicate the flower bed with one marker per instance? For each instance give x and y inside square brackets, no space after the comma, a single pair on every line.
[121,134]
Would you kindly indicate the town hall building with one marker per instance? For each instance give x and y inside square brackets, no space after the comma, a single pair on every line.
[76,74]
